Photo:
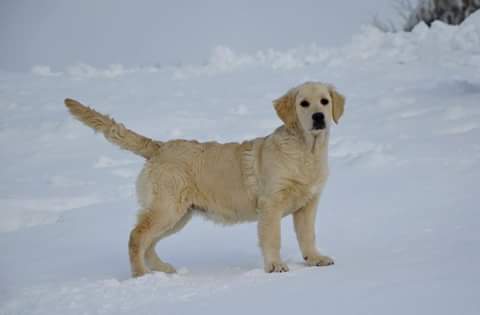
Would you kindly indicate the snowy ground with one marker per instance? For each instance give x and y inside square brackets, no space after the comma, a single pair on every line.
[399,214]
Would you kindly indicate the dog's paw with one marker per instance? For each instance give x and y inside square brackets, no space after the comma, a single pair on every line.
[318,260]
[163,267]
[276,266]
[139,272]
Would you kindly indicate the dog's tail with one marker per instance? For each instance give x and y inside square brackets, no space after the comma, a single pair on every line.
[114,132]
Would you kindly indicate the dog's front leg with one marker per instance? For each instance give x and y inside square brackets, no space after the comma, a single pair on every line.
[304,221]
[269,236]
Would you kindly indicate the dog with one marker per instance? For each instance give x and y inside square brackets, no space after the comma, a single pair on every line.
[264,179]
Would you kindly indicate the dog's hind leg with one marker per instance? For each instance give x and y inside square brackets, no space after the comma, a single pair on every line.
[165,215]
[153,261]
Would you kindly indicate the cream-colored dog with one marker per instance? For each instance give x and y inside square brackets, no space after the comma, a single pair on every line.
[262,180]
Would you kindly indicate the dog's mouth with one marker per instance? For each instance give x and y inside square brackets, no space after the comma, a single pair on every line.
[318,126]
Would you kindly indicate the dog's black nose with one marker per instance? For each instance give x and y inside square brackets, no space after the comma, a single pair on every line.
[318,117]
[318,121]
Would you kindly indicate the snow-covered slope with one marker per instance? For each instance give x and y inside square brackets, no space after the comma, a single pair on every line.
[399,215]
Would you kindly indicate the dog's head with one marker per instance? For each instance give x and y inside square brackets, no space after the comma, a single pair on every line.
[310,106]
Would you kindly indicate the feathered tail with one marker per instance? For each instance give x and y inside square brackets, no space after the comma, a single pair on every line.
[114,132]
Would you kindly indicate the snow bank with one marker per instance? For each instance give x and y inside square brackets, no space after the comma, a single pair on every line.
[441,40]
[85,71]
[82,71]
[44,71]
[223,59]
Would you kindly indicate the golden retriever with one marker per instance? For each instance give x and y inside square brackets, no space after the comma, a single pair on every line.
[262,180]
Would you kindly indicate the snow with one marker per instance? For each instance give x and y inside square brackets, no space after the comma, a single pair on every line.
[399,213]
[42,70]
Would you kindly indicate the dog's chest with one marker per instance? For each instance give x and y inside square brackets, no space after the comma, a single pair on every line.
[307,190]
[312,172]
[306,183]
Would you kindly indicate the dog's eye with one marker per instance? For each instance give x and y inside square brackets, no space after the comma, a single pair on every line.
[324,101]
[304,103]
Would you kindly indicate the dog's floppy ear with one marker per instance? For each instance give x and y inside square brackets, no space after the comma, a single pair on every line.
[285,107]
[338,104]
